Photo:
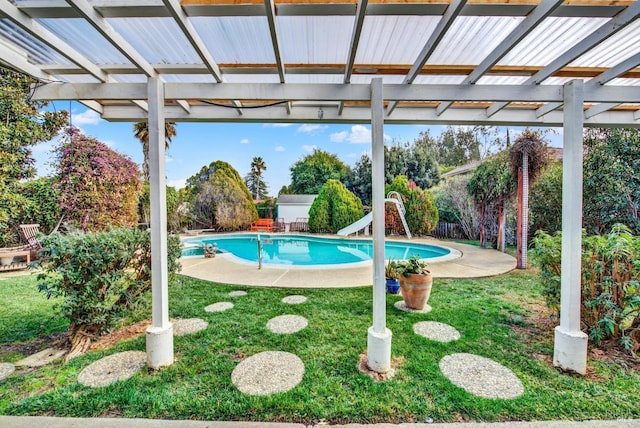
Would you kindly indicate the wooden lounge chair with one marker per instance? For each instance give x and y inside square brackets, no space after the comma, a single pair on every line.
[29,233]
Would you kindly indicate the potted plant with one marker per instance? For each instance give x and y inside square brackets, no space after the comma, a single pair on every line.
[415,281]
[393,284]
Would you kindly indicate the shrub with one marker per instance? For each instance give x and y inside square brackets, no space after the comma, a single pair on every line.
[99,187]
[99,276]
[545,200]
[219,198]
[610,282]
[334,208]
[421,212]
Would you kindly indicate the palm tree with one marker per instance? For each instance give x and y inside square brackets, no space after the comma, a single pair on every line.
[141,132]
[257,166]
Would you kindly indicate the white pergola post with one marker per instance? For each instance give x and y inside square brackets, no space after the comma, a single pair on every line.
[160,333]
[570,347]
[379,336]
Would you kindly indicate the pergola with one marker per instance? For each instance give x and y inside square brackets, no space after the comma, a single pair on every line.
[571,63]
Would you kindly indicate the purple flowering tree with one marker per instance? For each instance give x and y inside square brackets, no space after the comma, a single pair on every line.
[99,187]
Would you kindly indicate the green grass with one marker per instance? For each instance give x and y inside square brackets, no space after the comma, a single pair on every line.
[487,312]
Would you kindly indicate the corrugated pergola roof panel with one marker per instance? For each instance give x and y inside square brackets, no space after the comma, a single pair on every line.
[486,60]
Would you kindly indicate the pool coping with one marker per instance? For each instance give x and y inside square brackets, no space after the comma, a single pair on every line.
[474,262]
[452,255]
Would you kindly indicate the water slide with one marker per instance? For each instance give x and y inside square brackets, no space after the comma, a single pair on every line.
[393,197]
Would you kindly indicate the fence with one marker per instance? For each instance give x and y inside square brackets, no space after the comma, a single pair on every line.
[448,231]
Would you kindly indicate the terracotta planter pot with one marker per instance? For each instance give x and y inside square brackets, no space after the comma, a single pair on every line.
[416,289]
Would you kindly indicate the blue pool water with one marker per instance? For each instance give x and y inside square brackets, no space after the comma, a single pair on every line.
[301,250]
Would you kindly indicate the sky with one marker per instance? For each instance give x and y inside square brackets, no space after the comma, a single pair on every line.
[198,144]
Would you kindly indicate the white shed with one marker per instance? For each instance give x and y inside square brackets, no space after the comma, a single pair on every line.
[294,207]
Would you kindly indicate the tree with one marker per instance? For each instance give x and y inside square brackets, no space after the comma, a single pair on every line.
[220,199]
[310,173]
[361,184]
[254,181]
[611,179]
[528,158]
[457,146]
[422,167]
[141,132]
[455,205]
[491,183]
[99,188]
[23,124]
[334,208]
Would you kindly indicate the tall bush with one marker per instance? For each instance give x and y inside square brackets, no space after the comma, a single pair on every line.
[219,198]
[421,212]
[99,188]
[99,276]
[610,282]
[334,208]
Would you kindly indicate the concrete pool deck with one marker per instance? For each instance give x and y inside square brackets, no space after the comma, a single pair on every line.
[475,262]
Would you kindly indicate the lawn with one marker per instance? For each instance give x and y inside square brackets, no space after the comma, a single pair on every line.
[497,318]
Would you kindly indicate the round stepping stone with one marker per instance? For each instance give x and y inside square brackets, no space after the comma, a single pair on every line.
[481,376]
[294,299]
[400,304]
[6,369]
[108,370]
[268,373]
[237,293]
[188,326]
[436,331]
[219,307]
[287,324]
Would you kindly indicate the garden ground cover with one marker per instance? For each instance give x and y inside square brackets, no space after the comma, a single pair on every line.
[502,318]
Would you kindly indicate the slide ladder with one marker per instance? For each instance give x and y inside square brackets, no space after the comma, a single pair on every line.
[393,197]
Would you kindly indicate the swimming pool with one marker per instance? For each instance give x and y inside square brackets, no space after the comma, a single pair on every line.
[309,251]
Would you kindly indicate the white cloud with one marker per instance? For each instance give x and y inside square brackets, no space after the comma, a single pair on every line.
[358,135]
[178,184]
[280,149]
[244,141]
[311,128]
[278,125]
[87,117]
[168,159]
[352,155]
[309,148]
[339,137]
[110,144]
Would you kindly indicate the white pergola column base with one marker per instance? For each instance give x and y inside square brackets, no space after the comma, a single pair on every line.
[379,350]
[160,346]
[570,350]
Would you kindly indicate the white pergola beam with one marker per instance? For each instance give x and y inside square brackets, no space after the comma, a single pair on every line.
[542,11]
[194,39]
[452,12]
[361,9]
[51,40]
[11,57]
[333,92]
[270,9]
[155,8]
[570,345]
[601,79]
[86,11]
[362,115]
[605,31]
[598,109]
